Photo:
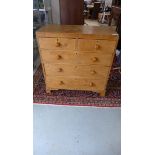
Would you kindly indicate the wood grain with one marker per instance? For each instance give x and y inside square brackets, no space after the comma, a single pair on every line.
[80,71]
[76,57]
[78,31]
[71,57]
[75,83]
[57,43]
[105,46]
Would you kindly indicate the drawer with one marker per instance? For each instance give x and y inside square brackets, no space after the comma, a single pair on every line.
[105,46]
[65,57]
[57,43]
[89,71]
[74,83]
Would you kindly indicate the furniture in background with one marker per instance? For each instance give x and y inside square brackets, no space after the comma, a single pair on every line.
[90,10]
[90,6]
[118,30]
[116,3]
[115,11]
[118,51]
[96,10]
[104,15]
[86,11]
[76,57]
[115,14]
[71,12]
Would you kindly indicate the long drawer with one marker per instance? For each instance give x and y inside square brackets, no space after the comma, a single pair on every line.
[89,71]
[66,57]
[57,43]
[75,83]
[105,46]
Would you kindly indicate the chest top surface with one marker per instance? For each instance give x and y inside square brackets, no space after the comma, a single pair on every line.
[76,30]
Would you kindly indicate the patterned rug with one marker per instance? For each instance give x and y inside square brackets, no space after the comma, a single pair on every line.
[78,98]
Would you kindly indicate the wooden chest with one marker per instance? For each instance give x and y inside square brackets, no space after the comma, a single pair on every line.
[76,57]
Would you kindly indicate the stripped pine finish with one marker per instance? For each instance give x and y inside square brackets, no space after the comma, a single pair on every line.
[76,57]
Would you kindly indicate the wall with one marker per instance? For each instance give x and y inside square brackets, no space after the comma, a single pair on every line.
[55,11]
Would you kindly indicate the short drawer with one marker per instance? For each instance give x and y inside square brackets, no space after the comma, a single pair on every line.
[75,83]
[105,46]
[65,57]
[57,43]
[87,71]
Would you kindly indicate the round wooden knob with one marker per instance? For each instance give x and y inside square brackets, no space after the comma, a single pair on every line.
[94,59]
[61,82]
[58,44]
[59,57]
[60,69]
[92,84]
[93,72]
[97,46]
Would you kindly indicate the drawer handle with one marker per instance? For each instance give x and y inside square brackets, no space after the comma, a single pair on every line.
[92,84]
[93,72]
[58,44]
[97,46]
[95,59]
[61,82]
[59,57]
[60,69]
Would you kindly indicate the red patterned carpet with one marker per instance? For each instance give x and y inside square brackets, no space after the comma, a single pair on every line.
[78,98]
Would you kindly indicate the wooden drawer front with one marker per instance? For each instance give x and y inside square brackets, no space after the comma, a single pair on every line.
[91,71]
[57,43]
[105,46]
[74,83]
[76,58]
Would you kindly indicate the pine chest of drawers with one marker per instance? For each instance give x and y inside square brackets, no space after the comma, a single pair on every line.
[76,57]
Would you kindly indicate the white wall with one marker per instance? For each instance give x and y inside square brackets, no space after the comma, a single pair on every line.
[55,11]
